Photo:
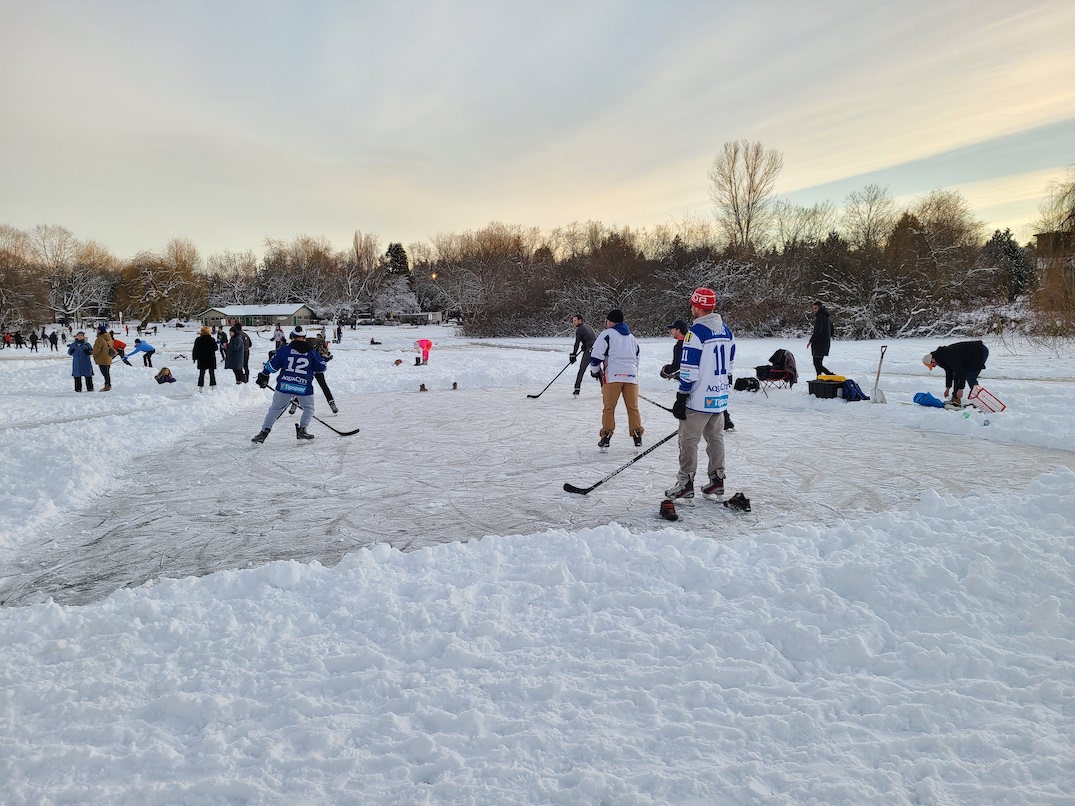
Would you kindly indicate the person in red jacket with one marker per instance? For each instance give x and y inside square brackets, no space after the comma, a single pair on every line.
[424,346]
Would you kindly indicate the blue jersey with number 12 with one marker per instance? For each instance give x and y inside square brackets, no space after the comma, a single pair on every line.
[296,370]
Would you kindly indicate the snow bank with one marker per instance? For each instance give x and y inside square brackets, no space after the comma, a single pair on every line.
[921,656]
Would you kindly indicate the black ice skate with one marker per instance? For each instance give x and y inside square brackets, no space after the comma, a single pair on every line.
[332,405]
[301,433]
[738,501]
[261,436]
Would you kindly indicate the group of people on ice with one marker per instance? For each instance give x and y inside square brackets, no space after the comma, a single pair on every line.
[85,357]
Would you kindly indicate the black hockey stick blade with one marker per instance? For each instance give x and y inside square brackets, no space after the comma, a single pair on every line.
[550,383]
[338,431]
[571,488]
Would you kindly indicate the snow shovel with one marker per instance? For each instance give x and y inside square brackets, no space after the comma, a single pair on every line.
[877,396]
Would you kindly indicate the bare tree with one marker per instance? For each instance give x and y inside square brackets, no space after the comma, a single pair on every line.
[869,215]
[231,277]
[742,178]
[794,224]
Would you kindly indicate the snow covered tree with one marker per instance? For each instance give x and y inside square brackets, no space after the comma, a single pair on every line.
[869,215]
[1013,264]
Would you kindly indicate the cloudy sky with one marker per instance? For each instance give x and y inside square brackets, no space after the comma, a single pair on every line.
[226,122]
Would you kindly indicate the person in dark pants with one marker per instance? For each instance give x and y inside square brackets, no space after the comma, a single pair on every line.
[204,356]
[53,339]
[962,363]
[81,352]
[233,356]
[247,345]
[821,339]
[584,339]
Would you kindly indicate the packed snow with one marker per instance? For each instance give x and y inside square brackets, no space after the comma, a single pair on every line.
[420,614]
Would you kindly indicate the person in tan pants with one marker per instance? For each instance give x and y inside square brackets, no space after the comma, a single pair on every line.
[614,360]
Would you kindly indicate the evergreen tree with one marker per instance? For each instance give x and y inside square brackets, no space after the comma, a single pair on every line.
[1014,262]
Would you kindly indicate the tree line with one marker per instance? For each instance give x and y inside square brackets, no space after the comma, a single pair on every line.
[884,271]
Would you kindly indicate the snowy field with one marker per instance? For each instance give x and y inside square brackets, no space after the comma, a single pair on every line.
[420,614]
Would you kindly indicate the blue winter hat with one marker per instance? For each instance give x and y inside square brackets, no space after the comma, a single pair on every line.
[101,328]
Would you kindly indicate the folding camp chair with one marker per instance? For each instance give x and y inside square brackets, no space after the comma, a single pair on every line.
[780,372]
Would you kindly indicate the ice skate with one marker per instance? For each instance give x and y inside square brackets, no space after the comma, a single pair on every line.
[714,491]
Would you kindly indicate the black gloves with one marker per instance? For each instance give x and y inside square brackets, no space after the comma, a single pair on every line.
[679,408]
[263,380]
[571,359]
[596,373]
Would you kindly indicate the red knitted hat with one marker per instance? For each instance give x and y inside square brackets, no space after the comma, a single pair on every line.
[704,298]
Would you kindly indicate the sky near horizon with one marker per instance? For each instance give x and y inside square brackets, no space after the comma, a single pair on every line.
[132,123]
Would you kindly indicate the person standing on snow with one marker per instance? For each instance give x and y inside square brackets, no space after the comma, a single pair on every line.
[248,345]
[614,359]
[962,362]
[81,352]
[53,339]
[820,340]
[33,341]
[584,339]
[678,330]
[296,363]
[204,356]
[233,356]
[142,347]
[704,382]
[103,353]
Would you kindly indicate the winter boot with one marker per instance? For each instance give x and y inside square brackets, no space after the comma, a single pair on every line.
[301,433]
[715,489]
[954,403]
[637,437]
[738,501]
[605,441]
[261,435]
[668,510]
[332,405]
[682,491]
[106,388]
[728,424]
[576,392]
[417,361]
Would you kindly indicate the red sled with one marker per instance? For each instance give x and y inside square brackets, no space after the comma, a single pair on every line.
[983,399]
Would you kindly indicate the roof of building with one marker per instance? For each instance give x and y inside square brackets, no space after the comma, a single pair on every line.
[260,310]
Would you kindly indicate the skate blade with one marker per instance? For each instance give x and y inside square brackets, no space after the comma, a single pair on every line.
[713,496]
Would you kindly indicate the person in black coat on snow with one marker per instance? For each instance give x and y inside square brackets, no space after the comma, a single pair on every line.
[962,363]
[204,355]
[821,339]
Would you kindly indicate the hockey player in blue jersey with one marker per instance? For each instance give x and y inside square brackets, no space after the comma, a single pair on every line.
[704,373]
[296,363]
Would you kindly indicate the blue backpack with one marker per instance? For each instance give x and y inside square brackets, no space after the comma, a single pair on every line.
[853,392]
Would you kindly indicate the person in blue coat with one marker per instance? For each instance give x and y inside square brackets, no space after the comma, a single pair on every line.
[143,347]
[296,363]
[81,352]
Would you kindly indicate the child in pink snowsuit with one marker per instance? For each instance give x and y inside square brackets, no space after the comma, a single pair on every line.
[424,345]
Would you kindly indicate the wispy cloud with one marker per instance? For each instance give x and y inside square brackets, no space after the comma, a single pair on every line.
[229,122]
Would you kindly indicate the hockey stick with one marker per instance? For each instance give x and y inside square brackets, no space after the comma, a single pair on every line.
[329,427]
[571,488]
[655,403]
[338,431]
[558,374]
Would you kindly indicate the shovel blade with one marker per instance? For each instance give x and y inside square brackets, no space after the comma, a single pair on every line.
[877,396]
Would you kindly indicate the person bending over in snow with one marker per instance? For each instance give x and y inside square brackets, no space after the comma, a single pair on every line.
[143,347]
[296,363]
[423,346]
[164,376]
[962,363]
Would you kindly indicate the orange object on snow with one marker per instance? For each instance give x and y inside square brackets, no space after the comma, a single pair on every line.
[424,346]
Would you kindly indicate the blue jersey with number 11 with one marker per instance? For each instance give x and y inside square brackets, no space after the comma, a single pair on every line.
[708,354]
[296,369]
